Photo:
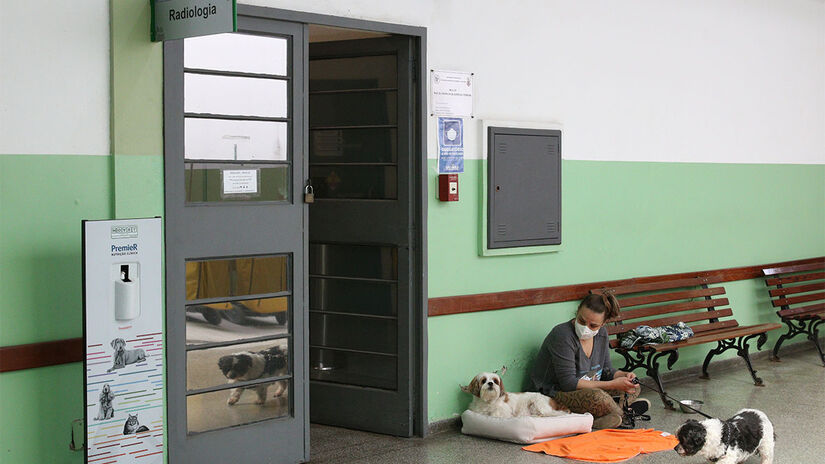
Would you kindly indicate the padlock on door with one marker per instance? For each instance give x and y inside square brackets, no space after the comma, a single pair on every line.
[309,193]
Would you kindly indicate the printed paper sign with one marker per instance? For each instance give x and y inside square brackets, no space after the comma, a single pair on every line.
[240,181]
[450,145]
[451,93]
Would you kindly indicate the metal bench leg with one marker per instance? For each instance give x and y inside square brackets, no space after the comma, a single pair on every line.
[813,335]
[653,372]
[720,348]
[741,346]
[742,350]
[794,328]
[649,360]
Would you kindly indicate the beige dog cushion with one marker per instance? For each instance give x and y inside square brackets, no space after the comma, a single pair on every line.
[522,430]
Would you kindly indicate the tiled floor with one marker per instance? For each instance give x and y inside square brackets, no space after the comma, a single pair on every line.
[794,399]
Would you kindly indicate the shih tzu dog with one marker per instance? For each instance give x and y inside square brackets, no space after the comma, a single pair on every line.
[732,441]
[122,356]
[251,365]
[490,398]
[105,400]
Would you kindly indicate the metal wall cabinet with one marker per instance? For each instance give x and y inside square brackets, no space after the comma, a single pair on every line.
[523,187]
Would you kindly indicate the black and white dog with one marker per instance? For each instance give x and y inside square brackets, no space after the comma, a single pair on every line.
[728,442]
[251,365]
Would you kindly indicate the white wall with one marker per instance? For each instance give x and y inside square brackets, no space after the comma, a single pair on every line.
[738,81]
[732,81]
[54,77]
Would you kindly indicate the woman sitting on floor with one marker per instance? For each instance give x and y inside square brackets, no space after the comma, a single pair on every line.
[575,358]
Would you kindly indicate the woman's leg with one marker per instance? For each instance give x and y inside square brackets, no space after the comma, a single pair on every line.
[593,400]
[631,396]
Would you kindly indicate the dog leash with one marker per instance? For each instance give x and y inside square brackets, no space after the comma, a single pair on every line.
[636,381]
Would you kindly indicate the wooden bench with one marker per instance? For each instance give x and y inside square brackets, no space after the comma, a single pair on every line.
[799,293]
[684,300]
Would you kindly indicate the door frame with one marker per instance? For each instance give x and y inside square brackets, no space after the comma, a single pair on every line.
[418,178]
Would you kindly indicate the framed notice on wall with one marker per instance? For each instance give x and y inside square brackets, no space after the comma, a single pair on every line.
[123,340]
[451,94]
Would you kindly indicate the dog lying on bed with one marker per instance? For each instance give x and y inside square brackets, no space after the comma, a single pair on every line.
[490,398]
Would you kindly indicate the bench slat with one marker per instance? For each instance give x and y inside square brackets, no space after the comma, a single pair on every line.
[798,299]
[802,310]
[702,328]
[661,297]
[669,284]
[697,329]
[693,317]
[668,309]
[795,278]
[718,335]
[797,289]
[798,268]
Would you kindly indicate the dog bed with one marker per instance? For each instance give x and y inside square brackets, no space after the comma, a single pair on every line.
[524,430]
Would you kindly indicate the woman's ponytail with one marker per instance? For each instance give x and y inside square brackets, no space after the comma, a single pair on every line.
[611,304]
[602,303]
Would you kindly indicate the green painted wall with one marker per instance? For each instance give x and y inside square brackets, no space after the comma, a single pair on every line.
[619,219]
[42,201]
[38,406]
[137,81]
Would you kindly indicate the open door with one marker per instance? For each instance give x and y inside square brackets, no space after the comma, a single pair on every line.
[236,245]
[361,234]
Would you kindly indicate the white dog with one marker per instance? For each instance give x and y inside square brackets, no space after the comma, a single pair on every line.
[490,398]
[728,442]
[122,356]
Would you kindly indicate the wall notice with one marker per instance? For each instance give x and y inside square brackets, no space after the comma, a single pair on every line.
[450,145]
[451,93]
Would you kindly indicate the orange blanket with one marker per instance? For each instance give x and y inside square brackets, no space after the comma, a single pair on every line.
[609,445]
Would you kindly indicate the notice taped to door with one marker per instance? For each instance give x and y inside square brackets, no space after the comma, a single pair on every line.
[240,181]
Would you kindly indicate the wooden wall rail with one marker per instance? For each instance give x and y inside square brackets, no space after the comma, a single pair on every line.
[535,296]
[34,355]
[15,358]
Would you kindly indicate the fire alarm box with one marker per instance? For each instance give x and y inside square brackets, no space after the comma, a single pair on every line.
[448,187]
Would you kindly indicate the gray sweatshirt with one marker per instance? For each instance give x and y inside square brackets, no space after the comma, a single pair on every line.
[561,361]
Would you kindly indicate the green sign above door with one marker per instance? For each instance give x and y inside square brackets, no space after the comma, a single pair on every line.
[178,19]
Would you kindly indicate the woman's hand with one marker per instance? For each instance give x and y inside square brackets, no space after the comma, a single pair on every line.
[620,374]
[623,384]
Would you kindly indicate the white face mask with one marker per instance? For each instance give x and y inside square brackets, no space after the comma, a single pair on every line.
[584,332]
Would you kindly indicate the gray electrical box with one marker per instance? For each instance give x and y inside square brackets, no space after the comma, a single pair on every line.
[523,187]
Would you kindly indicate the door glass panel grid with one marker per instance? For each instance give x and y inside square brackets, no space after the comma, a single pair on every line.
[353,314]
[222,134]
[353,153]
[239,366]
[210,411]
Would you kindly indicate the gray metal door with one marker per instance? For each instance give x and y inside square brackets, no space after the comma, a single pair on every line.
[235,245]
[360,229]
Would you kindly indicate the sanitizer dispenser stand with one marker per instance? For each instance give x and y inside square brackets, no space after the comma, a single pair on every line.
[123,338]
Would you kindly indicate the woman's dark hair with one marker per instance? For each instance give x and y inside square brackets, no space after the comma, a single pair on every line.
[602,303]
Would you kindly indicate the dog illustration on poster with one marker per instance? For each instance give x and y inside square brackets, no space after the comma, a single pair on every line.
[124,357]
[105,401]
